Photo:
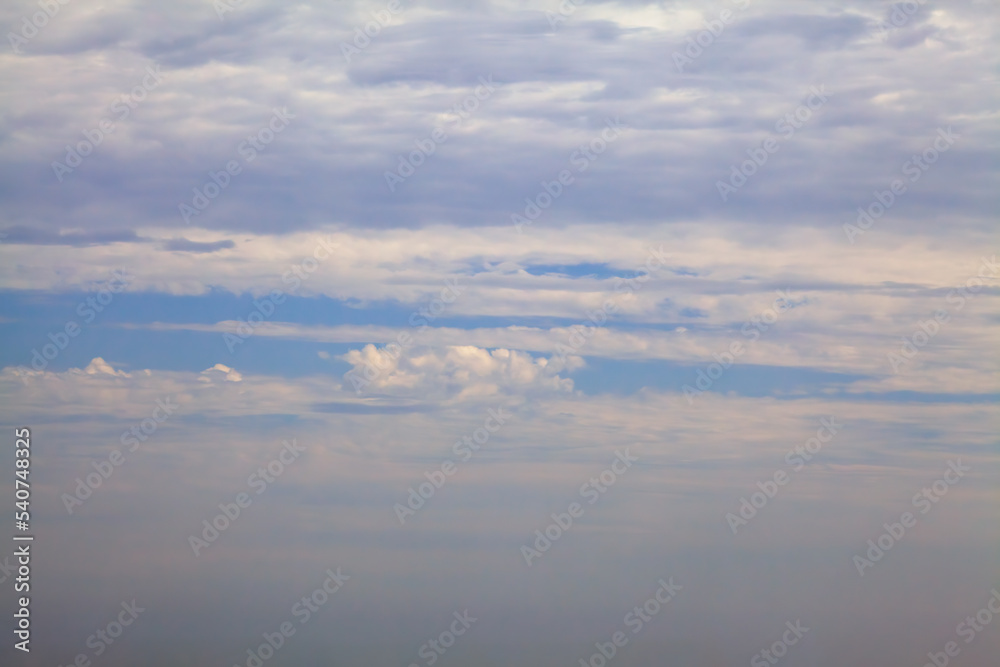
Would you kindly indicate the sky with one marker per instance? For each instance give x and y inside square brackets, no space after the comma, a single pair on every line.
[494,333]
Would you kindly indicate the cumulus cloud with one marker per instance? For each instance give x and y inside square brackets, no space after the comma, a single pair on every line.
[99,366]
[209,375]
[456,372]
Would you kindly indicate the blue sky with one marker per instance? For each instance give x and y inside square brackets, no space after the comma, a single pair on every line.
[691,231]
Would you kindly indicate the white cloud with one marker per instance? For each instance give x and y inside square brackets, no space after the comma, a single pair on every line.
[458,372]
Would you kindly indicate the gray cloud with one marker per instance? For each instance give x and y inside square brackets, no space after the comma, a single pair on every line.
[687,128]
[185,245]
[33,236]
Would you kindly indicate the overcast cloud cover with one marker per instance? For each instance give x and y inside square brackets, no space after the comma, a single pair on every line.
[676,240]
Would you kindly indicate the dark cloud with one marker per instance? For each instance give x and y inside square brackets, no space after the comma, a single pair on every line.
[184,245]
[33,236]
[559,87]
[368,408]
[817,32]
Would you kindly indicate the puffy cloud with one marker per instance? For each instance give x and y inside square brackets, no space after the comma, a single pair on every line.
[456,373]
[210,374]
[99,366]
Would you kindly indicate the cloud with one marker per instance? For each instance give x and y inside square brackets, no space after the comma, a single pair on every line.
[355,119]
[185,245]
[23,235]
[99,366]
[211,374]
[458,372]
[321,183]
